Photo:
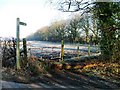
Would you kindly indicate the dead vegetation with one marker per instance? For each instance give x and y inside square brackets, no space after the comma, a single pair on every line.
[37,69]
[8,49]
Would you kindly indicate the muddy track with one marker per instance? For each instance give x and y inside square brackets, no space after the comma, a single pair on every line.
[67,80]
[82,80]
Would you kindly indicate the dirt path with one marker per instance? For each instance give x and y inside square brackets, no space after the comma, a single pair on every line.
[66,80]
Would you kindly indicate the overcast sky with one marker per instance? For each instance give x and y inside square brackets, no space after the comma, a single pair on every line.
[36,13]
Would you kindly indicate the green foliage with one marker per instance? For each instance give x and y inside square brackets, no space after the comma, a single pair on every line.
[107,15]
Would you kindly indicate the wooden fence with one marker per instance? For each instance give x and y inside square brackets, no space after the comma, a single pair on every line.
[8,49]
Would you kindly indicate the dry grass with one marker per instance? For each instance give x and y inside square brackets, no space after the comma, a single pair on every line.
[109,71]
[37,68]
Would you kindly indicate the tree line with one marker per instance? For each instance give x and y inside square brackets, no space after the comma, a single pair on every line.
[72,30]
[100,18]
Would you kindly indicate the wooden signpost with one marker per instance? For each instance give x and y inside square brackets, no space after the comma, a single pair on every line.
[18,42]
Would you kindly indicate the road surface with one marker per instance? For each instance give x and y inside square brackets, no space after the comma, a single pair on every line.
[66,80]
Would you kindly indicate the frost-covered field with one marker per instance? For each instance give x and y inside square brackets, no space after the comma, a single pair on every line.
[57,46]
[48,49]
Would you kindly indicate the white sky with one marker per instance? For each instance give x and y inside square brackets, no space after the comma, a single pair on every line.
[36,13]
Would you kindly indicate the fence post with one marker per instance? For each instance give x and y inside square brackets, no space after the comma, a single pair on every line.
[25,51]
[78,51]
[88,41]
[14,48]
[62,50]
[89,50]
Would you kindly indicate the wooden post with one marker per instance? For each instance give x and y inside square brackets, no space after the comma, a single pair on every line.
[14,48]
[78,51]
[18,45]
[89,50]
[25,51]
[88,41]
[18,42]
[62,50]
